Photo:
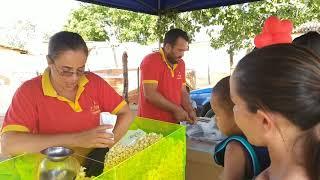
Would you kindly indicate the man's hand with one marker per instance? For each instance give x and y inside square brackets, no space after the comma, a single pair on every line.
[180,114]
[192,117]
[94,138]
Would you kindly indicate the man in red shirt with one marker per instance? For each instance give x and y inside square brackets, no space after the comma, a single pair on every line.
[163,95]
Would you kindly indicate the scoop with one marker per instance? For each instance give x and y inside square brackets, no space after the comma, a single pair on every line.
[57,153]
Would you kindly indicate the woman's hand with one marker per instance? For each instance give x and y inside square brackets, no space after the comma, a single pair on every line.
[94,138]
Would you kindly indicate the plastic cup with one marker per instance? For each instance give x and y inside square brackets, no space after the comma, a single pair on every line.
[107,118]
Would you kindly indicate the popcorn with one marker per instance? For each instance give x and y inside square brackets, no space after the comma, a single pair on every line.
[122,151]
[82,175]
[119,152]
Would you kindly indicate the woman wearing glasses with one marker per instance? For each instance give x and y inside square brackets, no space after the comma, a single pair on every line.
[61,107]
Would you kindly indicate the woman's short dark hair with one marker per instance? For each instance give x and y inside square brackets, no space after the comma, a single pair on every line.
[284,78]
[310,40]
[64,41]
[173,34]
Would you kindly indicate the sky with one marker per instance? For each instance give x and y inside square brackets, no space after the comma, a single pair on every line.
[47,15]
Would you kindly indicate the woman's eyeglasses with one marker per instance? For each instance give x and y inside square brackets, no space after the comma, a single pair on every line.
[66,73]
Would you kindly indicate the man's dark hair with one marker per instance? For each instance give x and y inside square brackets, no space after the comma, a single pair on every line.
[172,35]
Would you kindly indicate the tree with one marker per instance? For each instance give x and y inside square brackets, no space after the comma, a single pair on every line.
[89,21]
[99,23]
[234,26]
[240,23]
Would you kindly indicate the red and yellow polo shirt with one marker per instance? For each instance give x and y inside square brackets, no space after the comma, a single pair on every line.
[155,69]
[37,108]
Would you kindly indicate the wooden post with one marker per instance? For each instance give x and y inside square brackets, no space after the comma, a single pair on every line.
[138,78]
[125,75]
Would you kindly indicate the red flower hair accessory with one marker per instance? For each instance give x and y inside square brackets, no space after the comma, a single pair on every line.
[275,31]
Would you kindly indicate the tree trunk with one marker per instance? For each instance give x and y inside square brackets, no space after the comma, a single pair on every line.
[231,54]
[138,79]
[125,75]
[114,55]
[209,80]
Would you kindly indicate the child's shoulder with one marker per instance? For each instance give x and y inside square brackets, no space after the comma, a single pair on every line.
[230,144]
[257,156]
[233,141]
[236,151]
[234,146]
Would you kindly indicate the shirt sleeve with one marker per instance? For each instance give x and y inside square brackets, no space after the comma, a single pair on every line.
[111,101]
[149,71]
[22,113]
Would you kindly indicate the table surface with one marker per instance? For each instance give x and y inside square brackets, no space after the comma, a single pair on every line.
[201,146]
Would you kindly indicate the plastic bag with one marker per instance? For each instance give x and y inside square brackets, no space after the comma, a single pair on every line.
[132,137]
[204,130]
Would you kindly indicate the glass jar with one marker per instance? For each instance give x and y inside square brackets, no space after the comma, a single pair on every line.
[58,164]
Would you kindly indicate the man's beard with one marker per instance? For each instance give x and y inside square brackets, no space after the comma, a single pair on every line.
[172,59]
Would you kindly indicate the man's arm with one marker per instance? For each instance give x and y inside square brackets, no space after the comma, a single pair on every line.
[186,104]
[154,97]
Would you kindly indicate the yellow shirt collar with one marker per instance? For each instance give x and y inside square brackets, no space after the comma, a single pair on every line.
[48,89]
[166,61]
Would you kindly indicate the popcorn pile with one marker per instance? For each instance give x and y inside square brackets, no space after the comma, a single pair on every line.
[133,142]
[120,152]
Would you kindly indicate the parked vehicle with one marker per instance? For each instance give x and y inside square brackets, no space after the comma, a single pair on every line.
[202,98]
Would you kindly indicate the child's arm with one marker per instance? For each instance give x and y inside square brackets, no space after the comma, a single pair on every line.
[234,162]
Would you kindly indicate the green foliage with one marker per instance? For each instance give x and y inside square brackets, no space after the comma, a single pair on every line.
[238,24]
[131,26]
[100,23]
[232,26]
[89,21]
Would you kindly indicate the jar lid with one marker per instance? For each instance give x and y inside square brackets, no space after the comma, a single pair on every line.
[57,153]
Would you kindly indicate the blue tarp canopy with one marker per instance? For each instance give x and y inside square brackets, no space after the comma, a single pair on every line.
[158,7]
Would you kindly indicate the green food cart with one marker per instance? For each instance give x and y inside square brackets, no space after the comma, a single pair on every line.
[165,159]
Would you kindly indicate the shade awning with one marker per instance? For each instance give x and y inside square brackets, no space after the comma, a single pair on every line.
[157,7]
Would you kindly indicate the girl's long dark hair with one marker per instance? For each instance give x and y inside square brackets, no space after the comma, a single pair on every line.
[285,78]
